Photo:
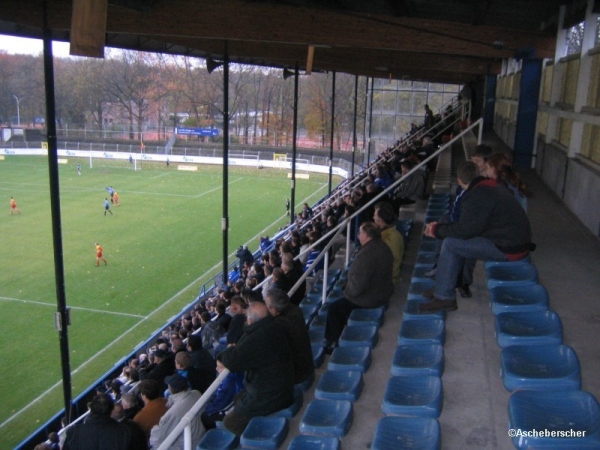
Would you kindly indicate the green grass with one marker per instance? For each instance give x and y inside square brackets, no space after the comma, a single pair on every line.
[162,239]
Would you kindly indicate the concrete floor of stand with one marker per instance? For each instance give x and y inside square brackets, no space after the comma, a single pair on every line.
[474,413]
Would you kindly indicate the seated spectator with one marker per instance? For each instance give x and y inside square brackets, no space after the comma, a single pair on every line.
[201,358]
[293,271]
[222,399]
[165,366]
[265,243]
[369,282]
[411,188]
[492,227]
[499,167]
[233,276]
[131,405]
[211,332]
[99,431]
[155,406]
[238,320]
[291,320]
[480,156]
[180,402]
[222,319]
[198,380]
[385,219]
[263,353]
[246,257]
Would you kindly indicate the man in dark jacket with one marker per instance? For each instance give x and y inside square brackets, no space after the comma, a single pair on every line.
[263,353]
[369,282]
[492,227]
[291,320]
[165,366]
[99,431]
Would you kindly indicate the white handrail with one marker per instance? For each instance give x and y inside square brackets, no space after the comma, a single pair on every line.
[185,424]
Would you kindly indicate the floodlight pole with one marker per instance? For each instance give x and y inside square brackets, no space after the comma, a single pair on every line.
[62,316]
[294,146]
[225,219]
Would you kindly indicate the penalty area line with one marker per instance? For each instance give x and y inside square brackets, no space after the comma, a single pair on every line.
[80,308]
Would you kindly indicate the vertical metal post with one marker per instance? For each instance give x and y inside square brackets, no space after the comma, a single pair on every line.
[332,130]
[354,143]
[62,316]
[294,148]
[370,121]
[225,218]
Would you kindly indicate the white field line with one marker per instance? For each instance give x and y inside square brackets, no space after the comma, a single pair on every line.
[157,194]
[174,297]
[161,175]
[34,302]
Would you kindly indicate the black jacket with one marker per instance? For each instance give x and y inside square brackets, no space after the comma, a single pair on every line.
[490,210]
[263,354]
[98,433]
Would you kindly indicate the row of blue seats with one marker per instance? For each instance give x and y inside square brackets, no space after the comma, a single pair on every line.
[543,374]
[413,397]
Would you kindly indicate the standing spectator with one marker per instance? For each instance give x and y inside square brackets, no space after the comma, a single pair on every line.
[263,353]
[428,119]
[180,402]
[155,406]
[369,282]
[99,431]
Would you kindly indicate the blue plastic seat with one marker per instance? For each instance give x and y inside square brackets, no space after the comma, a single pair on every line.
[416,289]
[327,418]
[265,432]
[420,359]
[307,442]
[358,336]
[218,439]
[340,385]
[555,411]
[428,247]
[511,275]
[531,297]
[312,298]
[334,296]
[403,433]
[411,310]
[317,336]
[309,311]
[366,316]
[318,355]
[528,328]
[318,322]
[426,259]
[350,358]
[540,367]
[421,331]
[413,395]
[419,273]
[293,409]
[324,309]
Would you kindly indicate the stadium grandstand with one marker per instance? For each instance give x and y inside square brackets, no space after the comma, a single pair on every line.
[514,362]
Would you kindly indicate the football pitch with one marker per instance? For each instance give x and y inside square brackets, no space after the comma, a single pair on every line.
[161,244]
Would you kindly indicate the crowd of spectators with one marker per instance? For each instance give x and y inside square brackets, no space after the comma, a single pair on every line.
[252,327]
